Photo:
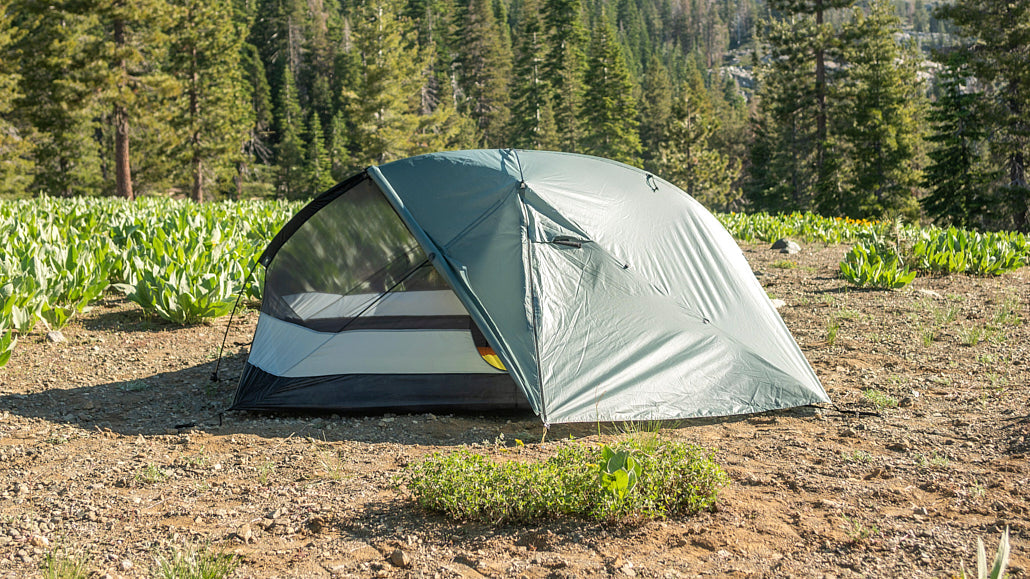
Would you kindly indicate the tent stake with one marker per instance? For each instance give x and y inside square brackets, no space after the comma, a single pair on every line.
[544,436]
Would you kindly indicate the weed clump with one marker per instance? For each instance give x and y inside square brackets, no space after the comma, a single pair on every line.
[645,480]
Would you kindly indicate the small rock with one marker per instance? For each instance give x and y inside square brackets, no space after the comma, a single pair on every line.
[246,534]
[399,558]
[55,337]
[39,541]
[786,246]
[778,303]
[906,402]
[849,432]
[920,511]
[627,570]
[21,488]
[125,565]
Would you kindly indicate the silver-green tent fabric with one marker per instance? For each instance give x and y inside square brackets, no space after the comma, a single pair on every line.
[608,293]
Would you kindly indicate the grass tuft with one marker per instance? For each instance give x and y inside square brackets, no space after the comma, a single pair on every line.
[197,564]
[62,566]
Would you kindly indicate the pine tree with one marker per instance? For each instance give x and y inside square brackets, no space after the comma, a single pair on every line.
[340,165]
[958,177]
[783,171]
[290,149]
[564,67]
[818,44]
[318,165]
[609,107]
[655,109]
[15,147]
[995,49]
[382,106]
[882,96]
[532,118]
[686,157]
[57,98]
[212,112]
[126,58]
[484,72]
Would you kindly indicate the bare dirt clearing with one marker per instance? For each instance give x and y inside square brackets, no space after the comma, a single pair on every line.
[110,445]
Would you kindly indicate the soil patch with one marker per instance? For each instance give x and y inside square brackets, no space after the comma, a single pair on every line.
[114,444]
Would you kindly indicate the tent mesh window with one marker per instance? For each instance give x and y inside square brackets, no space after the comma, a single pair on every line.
[347,266]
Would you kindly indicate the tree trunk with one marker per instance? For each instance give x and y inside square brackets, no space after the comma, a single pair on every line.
[197,162]
[122,170]
[820,89]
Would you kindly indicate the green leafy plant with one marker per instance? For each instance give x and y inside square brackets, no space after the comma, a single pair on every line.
[619,471]
[151,474]
[857,531]
[1001,559]
[880,400]
[873,265]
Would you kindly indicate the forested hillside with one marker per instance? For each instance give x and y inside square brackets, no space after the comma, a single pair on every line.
[872,109]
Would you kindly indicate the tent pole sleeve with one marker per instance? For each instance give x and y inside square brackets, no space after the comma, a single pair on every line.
[441,265]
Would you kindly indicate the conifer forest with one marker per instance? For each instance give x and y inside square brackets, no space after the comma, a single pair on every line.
[867,109]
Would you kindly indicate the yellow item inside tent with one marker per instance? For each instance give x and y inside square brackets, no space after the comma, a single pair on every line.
[491,357]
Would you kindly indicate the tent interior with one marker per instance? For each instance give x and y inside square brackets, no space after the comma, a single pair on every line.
[353,304]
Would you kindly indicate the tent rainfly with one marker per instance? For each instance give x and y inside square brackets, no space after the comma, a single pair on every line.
[582,288]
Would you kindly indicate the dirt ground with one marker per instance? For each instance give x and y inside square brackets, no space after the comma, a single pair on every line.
[112,447]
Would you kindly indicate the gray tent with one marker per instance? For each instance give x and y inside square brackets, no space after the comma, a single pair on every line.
[582,288]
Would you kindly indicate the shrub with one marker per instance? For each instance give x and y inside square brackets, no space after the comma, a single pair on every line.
[650,481]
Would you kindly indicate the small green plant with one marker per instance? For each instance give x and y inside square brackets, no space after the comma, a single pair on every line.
[134,386]
[64,566]
[880,400]
[266,470]
[1006,314]
[618,471]
[936,461]
[1001,559]
[197,564]
[832,328]
[859,456]
[972,336]
[784,264]
[857,531]
[579,481]
[151,474]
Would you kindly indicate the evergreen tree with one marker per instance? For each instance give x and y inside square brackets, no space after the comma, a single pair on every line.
[126,56]
[340,165]
[57,99]
[609,107]
[212,112]
[290,149]
[15,147]
[995,50]
[382,106]
[532,119]
[686,157]
[484,71]
[819,44]
[958,178]
[257,151]
[655,109]
[318,166]
[783,167]
[883,99]
[564,67]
